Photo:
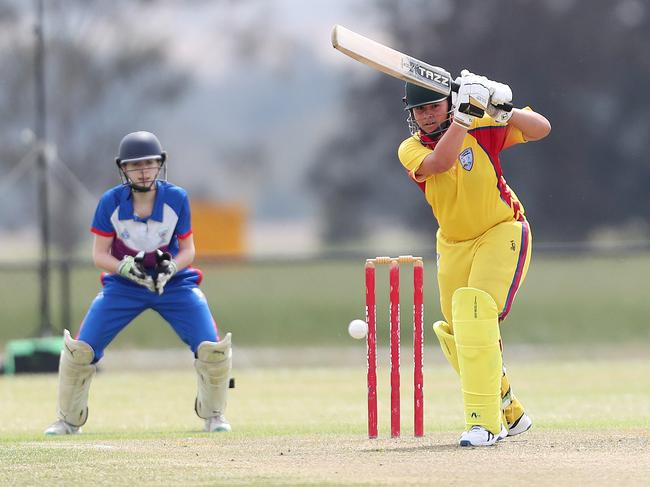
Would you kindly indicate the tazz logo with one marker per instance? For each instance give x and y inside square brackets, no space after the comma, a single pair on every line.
[424,72]
[466,159]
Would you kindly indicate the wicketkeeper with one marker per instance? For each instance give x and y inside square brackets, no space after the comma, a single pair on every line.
[143,240]
[483,241]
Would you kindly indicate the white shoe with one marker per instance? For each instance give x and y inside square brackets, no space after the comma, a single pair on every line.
[479,436]
[520,426]
[217,424]
[60,427]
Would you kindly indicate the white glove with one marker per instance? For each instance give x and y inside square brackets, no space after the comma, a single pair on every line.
[472,98]
[165,269]
[500,94]
[132,268]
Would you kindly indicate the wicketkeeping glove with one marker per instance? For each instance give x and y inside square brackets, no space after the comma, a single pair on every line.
[132,268]
[165,269]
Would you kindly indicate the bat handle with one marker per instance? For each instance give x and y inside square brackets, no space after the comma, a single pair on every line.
[506,106]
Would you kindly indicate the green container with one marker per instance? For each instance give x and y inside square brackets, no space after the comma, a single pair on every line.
[33,355]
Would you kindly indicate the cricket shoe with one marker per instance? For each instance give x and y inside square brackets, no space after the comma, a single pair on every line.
[479,436]
[523,424]
[217,424]
[60,427]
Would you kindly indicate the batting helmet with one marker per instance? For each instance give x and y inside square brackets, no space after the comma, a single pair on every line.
[140,146]
[416,96]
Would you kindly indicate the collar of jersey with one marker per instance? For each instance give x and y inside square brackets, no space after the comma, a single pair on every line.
[126,204]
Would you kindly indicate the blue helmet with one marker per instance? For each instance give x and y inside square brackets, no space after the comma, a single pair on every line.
[140,146]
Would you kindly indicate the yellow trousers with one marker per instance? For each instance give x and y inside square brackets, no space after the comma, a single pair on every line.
[496,262]
[493,267]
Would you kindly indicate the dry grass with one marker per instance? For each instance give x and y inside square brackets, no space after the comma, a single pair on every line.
[306,426]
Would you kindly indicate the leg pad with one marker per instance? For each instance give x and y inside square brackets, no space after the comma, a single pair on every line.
[213,366]
[76,371]
[447,343]
[478,344]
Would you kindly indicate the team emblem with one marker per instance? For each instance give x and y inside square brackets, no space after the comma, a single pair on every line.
[467,159]
[124,234]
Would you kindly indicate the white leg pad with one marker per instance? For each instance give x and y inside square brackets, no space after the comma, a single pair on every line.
[213,366]
[75,374]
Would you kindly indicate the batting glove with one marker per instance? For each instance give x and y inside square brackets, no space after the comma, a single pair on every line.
[472,98]
[165,269]
[500,94]
[132,268]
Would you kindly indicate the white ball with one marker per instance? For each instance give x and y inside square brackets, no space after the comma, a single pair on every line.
[358,329]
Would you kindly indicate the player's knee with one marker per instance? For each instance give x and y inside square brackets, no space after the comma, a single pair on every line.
[469,304]
[214,360]
[77,351]
[211,352]
[476,321]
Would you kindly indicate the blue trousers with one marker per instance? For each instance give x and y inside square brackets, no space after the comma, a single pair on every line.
[182,305]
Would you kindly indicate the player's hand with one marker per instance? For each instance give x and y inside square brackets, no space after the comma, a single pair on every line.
[165,269]
[500,94]
[132,268]
[472,98]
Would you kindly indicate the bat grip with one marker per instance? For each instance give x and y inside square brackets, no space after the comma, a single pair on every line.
[506,106]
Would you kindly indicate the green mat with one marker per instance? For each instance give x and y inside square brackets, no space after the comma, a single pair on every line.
[33,355]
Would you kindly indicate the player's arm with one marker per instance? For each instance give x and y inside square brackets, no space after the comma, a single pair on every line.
[186,252]
[444,154]
[102,254]
[533,125]
[472,91]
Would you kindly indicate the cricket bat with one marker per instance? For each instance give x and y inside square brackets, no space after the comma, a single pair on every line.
[397,64]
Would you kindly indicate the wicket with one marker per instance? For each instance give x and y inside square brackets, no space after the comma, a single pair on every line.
[418,343]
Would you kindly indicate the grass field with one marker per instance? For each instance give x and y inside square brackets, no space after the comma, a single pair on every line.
[307,426]
[564,300]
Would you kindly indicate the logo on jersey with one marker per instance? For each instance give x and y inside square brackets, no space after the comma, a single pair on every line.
[162,234]
[467,159]
[124,234]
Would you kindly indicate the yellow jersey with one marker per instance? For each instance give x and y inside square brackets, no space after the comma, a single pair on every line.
[472,196]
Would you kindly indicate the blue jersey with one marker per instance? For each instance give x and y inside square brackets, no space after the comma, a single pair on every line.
[182,304]
[169,221]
